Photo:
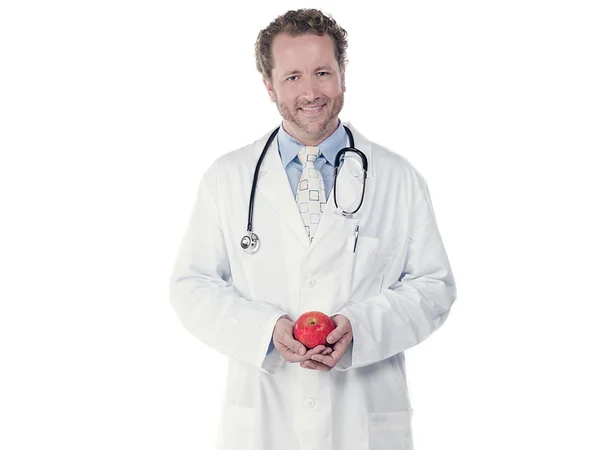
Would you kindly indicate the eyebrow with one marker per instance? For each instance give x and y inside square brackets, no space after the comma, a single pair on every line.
[327,68]
[318,69]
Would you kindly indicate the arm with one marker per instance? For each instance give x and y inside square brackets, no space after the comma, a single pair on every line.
[207,304]
[414,306]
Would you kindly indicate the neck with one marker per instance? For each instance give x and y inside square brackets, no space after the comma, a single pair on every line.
[309,140]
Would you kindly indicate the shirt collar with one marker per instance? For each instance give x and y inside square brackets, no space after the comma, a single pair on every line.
[289,147]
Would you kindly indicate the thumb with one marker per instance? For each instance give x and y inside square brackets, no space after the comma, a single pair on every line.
[332,337]
[301,350]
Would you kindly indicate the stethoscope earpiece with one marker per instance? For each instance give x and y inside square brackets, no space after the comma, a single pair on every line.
[250,243]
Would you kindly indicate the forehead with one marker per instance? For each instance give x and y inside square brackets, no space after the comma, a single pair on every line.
[296,52]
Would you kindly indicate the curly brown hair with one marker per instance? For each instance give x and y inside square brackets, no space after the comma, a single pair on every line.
[296,23]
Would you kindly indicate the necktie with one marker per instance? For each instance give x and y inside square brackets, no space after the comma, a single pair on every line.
[310,195]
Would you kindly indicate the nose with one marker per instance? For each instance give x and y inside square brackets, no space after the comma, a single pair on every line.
[310,90]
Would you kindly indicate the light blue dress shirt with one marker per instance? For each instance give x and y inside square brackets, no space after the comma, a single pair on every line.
[289,148]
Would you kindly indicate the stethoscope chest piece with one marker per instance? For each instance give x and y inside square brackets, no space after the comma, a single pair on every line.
[250,243]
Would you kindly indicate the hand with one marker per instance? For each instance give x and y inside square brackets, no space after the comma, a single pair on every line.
[340,337]
[290,349]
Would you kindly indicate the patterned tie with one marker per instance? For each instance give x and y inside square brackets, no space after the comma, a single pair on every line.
[310,195]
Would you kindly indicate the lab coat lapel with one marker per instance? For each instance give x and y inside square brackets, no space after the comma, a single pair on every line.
[274,185]
[348,188]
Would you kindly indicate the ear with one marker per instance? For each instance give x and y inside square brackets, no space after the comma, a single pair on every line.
[270,90]
[343,80]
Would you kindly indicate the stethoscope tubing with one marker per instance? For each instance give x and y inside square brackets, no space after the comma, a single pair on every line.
[255,179]
[336,168]
[250,241]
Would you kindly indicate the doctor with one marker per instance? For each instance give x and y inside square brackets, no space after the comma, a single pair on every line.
[387,287]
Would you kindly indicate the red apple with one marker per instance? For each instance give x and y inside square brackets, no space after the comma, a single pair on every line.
[312,328]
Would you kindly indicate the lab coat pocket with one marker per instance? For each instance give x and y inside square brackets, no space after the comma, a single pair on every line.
[397,370]
[390,431]
[392,256]
[359,266]
[237,429]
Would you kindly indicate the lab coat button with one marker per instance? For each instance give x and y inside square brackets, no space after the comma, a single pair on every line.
[310,403]
[310,282]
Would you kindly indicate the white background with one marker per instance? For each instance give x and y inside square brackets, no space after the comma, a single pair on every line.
[111,111]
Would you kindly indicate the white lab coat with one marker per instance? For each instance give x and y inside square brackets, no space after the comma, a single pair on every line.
[396,290]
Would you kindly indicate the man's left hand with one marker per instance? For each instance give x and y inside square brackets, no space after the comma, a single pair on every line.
[340,338]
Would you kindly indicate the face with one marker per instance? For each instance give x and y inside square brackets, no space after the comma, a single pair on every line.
[307,85]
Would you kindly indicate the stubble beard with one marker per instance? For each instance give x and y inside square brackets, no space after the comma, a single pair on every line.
[307,126]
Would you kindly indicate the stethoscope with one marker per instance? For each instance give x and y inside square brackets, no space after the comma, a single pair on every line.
[250,242]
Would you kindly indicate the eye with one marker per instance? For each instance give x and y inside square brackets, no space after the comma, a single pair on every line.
[322,74]
[292,77]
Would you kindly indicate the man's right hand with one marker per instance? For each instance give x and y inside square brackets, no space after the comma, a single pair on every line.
[292,350]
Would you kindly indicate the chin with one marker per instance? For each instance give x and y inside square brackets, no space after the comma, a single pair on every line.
[317,126]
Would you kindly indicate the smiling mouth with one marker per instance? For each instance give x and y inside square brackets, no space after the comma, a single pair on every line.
[312,108]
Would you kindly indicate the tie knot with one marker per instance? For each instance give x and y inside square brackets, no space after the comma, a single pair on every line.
[308,154]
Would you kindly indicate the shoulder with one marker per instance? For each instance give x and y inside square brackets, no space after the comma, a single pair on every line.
[234,159]
[388,160]
[234,162]
[390,164]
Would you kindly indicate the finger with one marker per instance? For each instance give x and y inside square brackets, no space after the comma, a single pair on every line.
[335,335]
[307,365]
[288,354]
[314,365]
[291,356]
[313,351]
[329,361]
[319,349]
[326,350]
[293,345]
[338,336]
[339,349]
[286,338]
[294,357]
[319,366]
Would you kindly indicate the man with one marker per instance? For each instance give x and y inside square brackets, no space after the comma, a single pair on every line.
[382,274]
